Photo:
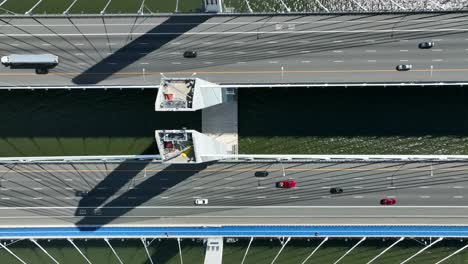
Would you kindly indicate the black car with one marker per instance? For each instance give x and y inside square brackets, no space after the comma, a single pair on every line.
[261,173]
[426,45]
[190,54]
[336,190]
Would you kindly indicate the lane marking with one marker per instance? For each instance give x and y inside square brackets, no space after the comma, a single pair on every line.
[403,60]
[261,197]
[294,197]
[403,50]
[358,197]
[338,61]
[424,187]
[144,63]
[458,197]
[337,51]
[305,61]
[79,44]
[236,72]
[273,62]
[437,50]
[227,197]
[461,30]
[424,196]
[371,51]
[37,189]
[247,207]
[437,60]
[371,61]
[458,187]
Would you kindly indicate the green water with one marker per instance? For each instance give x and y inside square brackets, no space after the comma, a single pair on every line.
[369,120]
[49,123]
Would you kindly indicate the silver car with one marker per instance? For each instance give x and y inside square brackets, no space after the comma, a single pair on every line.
[201,201]
[404,67]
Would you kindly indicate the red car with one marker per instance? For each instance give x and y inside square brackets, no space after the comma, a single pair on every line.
[286,184]
[388,201]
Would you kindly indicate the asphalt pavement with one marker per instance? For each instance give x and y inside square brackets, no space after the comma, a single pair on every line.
[240,49]
[139,193]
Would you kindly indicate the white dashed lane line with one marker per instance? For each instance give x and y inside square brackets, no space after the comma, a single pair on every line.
[371,51]
[437,60]
[337,51]
[458,197]
[358,197]
[458,187]
[403,50]
[338,61]
[424,196]
[261,197]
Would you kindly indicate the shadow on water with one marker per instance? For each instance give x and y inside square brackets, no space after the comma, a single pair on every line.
[362,111]
[147,43]
[135,196]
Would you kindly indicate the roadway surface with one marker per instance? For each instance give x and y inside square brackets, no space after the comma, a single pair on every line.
[151,194]
[240,49]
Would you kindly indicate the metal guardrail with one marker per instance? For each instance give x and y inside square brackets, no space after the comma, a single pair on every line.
[79,87]
[240,85]
[242,158]
[69,159]
[234,231]
[344,158]
[133,15]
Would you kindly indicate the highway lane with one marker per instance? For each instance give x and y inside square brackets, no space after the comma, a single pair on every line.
[140,193]
[252,49]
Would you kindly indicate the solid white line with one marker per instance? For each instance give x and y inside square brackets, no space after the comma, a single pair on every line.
[250,207]
[235,33]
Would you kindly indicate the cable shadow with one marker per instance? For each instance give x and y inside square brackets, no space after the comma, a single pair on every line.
[130,199]
[102,70]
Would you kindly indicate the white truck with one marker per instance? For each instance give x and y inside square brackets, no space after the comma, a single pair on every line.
[40,62]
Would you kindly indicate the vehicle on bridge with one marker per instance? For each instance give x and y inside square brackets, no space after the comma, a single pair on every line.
[336,190]
[404,67]
[42,63]
[286,184]
[426,45]
[201,201]
[388,201]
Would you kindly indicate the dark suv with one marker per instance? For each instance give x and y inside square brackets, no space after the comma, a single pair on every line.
[261,174]
[190,54]
[336,190]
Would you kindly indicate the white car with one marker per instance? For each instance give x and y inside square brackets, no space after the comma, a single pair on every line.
[201,201]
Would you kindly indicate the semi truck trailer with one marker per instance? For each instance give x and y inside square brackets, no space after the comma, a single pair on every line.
[40,62]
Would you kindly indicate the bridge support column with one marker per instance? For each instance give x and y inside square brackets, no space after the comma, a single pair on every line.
[449,256]
[315,250]
[113,251]
[78,249]
[247,250]
[385,250]
[213,6]
[351,249]
[143,240]
[45,251]
[422,250]
[281,249]
[13,254]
